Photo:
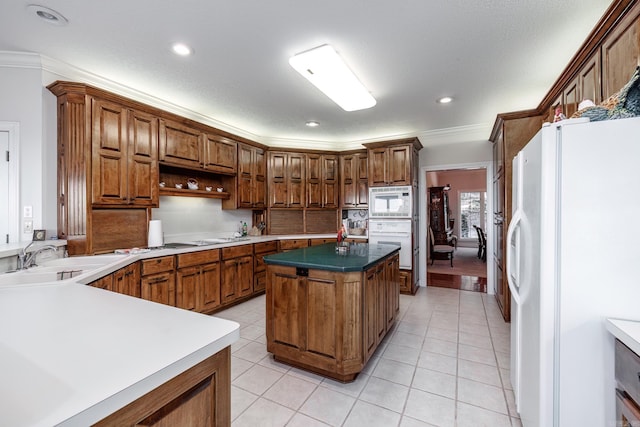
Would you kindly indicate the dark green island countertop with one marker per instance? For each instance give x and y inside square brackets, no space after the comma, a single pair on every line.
[359,257]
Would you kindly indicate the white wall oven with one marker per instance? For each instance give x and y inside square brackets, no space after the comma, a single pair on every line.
[393,232]
[390,202]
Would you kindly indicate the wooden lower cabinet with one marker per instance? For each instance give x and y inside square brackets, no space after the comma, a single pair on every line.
[105,283]
[259,267]
[200,396]
[124,281]
[198,281]
[314,242]
[158,282]
[407,284]
[127,280]
[237,272]
[290,244]
[330,322]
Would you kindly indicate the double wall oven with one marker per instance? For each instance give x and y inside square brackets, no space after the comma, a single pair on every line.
[390,220]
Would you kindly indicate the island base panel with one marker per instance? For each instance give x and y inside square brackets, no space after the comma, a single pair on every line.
[345,378]
[200,396]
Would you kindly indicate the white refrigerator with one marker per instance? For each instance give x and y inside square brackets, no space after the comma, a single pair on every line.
[573,260]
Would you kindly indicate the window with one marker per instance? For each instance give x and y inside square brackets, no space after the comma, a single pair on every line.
[472,212]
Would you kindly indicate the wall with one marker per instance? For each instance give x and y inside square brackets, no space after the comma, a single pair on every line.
[458,153]
[23,101]
[184,217]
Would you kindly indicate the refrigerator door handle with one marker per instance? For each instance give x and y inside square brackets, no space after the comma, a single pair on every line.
[513,256]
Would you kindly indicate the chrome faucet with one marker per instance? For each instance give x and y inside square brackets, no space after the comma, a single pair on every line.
[28,259]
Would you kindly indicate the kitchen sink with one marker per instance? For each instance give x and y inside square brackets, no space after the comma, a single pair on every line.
[58,269]
[24,278]
[75,261]
[205,242]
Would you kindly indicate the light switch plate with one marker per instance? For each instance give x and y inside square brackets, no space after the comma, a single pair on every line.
[28,227]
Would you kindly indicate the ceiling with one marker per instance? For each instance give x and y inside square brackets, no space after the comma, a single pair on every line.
[491,56]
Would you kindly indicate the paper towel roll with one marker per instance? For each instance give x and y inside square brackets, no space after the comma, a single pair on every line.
[155,234]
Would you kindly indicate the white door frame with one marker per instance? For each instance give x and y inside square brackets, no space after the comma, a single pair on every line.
[422,187]
[13,184]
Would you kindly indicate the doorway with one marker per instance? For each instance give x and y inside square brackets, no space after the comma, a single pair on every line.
[465,193]
[9,186]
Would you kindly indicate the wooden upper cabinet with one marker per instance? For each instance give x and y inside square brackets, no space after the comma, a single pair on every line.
[220,154]
[589,78]
[322,181]
[143,158]
[286,179]
[393,163]
[251,179]
[314,180]
[620,53]
[585,85]
[571,98]
[354,185]
[400,165]
[180,145]
[124,160]
[330,181]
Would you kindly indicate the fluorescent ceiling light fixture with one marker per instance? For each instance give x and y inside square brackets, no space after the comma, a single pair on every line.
[312,124]
[324,68]
[445,100]
[181,49]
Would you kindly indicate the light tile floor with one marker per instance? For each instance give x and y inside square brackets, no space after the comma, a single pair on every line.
[445,363]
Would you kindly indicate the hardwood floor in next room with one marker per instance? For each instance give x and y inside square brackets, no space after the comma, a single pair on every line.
[469,273]
[444,363]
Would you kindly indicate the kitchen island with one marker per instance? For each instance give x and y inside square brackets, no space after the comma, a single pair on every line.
[75,355]
[327,311]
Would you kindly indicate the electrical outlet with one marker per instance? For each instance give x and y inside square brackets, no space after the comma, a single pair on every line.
[28,212]
[28,227]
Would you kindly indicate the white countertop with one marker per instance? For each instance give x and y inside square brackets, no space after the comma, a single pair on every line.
[72,354]
[627,331]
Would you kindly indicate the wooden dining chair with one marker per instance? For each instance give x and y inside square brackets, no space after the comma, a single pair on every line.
[440,249]
[482,244]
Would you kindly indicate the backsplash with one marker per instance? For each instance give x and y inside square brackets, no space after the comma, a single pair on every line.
[187,215]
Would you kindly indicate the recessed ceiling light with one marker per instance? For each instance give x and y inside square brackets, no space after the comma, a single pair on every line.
[48,15]
[181,49]
[445,100]
[324,68]
[312,124]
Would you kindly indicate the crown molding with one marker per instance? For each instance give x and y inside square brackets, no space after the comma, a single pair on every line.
[53,70]
[456,135]
[9,59]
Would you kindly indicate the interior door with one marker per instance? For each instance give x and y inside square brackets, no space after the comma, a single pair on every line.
[4,187]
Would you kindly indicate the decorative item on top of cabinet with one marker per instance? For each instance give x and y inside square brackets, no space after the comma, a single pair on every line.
[354,182]
[158,281]
[393,162]
[198,281]
[286,179]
